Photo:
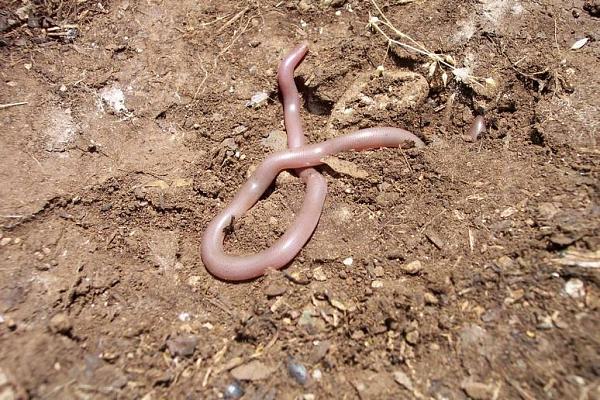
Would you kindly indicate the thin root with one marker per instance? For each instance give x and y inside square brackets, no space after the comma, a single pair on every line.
[8,105]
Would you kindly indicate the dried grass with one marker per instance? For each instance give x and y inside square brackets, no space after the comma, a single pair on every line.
[440,63]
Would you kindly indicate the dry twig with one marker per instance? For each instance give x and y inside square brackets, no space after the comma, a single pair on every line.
[8,105]
[382,25]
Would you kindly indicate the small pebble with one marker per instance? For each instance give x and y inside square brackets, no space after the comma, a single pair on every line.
[239,129]
[559,323]
[11,324]
[545,322]
[233,391]
[505,262]
[60,323]
[254,370]
[182,346]
[348,261]
[576,379]
[490,315]
[275,140]
[297,371]
[413,267]
[508,212]
[430,298]
[257,100]
[357,335]
[377,284]
[402,379]
[184,316]
[477,390]
[43,267]
[303,5]
[317,374]
[194,280]
[574,288]
[379,271]
[275,289]
[306,319]
[5,241]
[412,337]
[319,275]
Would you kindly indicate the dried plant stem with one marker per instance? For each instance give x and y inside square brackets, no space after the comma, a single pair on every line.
[382,25]
[8,105]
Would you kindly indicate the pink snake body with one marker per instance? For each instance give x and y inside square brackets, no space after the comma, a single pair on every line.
[301,158]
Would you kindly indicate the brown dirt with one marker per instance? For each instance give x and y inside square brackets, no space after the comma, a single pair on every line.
[102,290]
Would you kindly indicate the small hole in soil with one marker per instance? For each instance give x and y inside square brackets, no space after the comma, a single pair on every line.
[312,102]
[536,137]
[404,62]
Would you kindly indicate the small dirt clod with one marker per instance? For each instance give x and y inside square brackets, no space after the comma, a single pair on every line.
[61,324]
[182,346]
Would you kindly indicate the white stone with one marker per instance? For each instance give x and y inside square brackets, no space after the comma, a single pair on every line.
[376,284]
[257,100]
[184,316]
[317,374]
[574,288]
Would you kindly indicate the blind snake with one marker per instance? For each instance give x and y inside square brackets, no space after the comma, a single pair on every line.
[300,157]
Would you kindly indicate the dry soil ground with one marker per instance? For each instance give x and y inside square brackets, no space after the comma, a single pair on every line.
[474,264]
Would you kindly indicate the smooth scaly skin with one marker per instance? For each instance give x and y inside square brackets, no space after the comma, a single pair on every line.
[299,157]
